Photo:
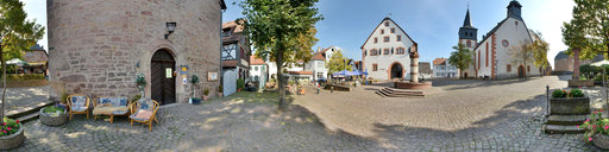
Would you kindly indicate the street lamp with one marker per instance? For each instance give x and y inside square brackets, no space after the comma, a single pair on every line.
[171,27]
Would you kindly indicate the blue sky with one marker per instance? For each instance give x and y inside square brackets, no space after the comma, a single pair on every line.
[431,23]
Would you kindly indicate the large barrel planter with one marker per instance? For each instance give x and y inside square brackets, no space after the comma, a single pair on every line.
[12,141]
[601,141]
[53,120]
[570,106]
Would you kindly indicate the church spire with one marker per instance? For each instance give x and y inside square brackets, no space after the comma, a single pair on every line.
[467,22]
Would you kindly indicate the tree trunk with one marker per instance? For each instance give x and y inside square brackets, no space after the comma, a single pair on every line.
[3,84]
[575,64]
[280,79]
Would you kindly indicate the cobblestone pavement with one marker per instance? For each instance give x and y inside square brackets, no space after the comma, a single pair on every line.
[250,122]
[19,98]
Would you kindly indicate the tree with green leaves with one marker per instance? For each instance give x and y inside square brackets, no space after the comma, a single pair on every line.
[540,51]
[281,30]
[575,36]
[338,63]
[17,35]
[461,58]
[593,17]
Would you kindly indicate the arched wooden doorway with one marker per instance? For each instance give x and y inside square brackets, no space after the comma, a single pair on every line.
[521,71]
[163,84]
[396,71]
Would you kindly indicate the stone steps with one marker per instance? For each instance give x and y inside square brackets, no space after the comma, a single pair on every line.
[561,124]
[562,129]
[390,92]
[28,113]
[566,119]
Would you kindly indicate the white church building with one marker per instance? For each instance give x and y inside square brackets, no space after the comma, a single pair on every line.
[494,56]
[385,54]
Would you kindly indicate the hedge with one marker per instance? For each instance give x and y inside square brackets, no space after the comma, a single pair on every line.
[22,77]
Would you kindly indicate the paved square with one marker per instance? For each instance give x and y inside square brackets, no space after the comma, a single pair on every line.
[355,121]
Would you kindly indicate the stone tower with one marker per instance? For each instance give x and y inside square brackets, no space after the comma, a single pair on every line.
[468,37]
[98,47]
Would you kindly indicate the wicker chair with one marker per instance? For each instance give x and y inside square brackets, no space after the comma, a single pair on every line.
[146,109]
[78,104]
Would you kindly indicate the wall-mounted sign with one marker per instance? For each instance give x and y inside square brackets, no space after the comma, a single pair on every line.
[183,69]
[212,76]
[168,73]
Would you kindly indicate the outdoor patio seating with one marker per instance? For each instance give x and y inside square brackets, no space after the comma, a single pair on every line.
[110,106]
[144,111]
[78,104]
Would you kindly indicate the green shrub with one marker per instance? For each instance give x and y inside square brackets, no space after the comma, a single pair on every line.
[576,93]
[559,94]
[53,109]
[23,77]
[206,92]
[240,83]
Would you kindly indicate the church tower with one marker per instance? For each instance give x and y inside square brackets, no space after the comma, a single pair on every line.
[467,33]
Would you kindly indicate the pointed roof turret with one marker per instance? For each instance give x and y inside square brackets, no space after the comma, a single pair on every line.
[467,22]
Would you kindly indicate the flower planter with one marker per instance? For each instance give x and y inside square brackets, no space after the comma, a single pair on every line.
[12,141]
[601,141]
[51,119]
[581,83]
[570,106]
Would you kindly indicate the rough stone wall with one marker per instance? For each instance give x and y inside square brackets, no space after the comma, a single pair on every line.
[95,47]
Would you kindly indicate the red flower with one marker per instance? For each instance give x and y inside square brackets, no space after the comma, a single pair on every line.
[9,128]
[4,123]
[595,112]
[4,131]
[17,121]
[589,138]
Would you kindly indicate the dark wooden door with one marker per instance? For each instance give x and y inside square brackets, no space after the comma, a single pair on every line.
[163,79]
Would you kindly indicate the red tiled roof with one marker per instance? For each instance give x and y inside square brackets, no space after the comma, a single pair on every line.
[318,56]
[301,72]
[255,60]
[233,24]
[439,61]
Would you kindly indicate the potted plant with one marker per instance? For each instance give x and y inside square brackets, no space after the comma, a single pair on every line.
[572,102]
[140,81]
[205,94]
[193,81]
[597,130]
[11,134]
[240,84]
[53,115]
[220,90]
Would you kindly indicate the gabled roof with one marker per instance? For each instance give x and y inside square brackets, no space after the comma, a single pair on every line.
[256,61]
[438,61]
[501,23]
[319,56]
[396,24]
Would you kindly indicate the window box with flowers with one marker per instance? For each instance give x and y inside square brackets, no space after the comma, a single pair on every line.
[569,102]
[597,130]
[11,134]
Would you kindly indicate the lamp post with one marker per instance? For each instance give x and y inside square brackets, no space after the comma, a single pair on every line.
[171,27]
